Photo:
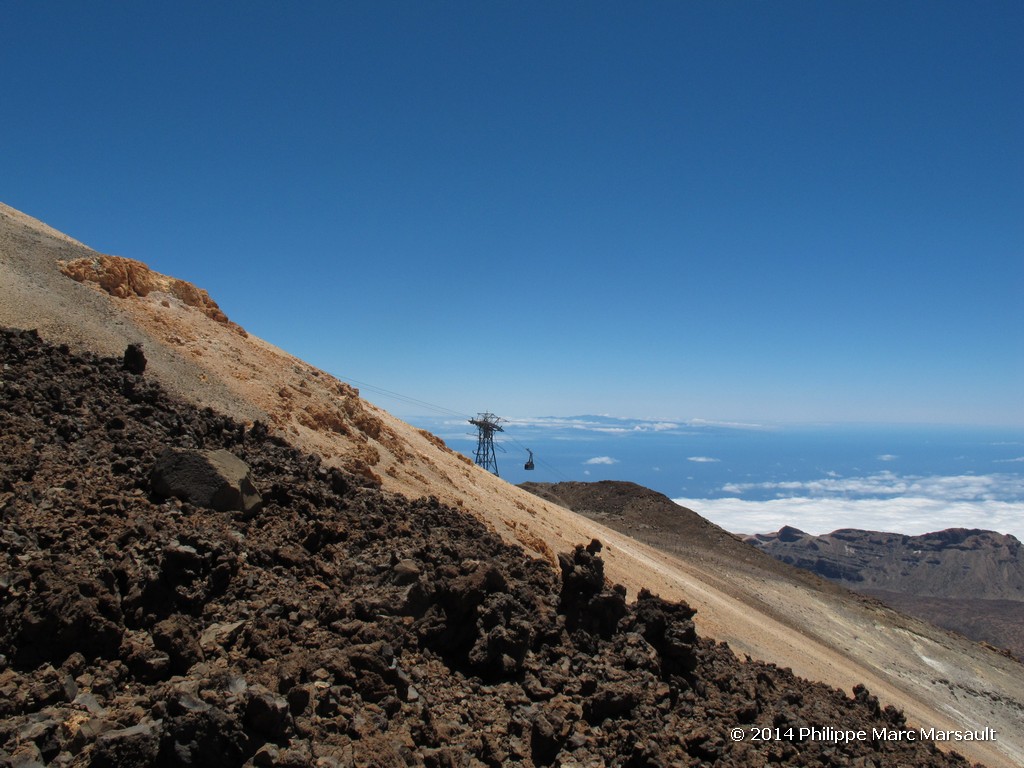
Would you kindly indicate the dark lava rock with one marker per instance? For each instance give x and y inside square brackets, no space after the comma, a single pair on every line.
[215,479]
[177,637]
[134,359]
[342,626]
[137,745]
[266,712]
[585,600]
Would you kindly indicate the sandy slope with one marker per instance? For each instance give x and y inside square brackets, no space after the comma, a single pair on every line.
[938,679]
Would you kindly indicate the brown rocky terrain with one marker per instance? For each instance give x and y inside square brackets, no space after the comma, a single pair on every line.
[969,581]
[326,622]
[818,630]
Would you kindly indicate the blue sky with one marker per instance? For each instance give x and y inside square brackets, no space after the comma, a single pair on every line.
[783,212]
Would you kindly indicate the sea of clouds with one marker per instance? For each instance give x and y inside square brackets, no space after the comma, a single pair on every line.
[883,501]
[891,498]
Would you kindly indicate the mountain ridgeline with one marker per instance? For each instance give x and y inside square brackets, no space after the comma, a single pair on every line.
[967,580]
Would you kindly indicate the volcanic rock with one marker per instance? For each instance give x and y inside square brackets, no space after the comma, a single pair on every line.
[122,277]
[321,658]
[136,745]
[134,359]
[217,479]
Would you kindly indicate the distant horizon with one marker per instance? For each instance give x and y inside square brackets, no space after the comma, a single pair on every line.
[387,402]
[906,479]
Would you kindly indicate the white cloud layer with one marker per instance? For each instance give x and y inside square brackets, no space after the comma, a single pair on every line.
[601,460]
[911,515]
[943,488]
[605,424]
[703,459]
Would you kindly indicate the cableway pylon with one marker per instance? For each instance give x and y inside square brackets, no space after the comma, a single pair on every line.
[486,424]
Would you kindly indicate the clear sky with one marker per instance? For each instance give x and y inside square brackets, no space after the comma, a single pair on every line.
[769,211]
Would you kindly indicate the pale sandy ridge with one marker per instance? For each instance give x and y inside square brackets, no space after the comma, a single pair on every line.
[939,679]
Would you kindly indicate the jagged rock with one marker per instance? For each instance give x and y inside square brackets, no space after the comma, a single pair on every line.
[612,700]
[219,635]
[215,479]
[79,613]
[134,747]
[176,637]
[134,359]
[266,712]
[26,756]
[266,756]
[406,571]
[44,733]
[669,629]
[123,277]
[585,602]
[201,735]
[144,661]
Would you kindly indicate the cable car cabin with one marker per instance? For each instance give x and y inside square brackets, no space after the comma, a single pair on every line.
[529,461]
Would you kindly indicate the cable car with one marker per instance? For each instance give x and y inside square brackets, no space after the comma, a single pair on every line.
[529,461]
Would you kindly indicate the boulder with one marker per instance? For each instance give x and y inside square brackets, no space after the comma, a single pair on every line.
[132,747]
[266,712]
[215,479]
[134,359]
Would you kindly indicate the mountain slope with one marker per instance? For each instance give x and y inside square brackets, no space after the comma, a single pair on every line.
[969,581]
[654,519]
[820,632]
[335,622]
[958,562]
[813,609]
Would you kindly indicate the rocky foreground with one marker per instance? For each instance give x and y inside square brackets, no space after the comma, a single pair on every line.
[332,623]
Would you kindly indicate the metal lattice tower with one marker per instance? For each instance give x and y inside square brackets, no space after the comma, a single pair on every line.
[487,425]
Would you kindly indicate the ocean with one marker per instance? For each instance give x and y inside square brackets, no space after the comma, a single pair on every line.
[752,478]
